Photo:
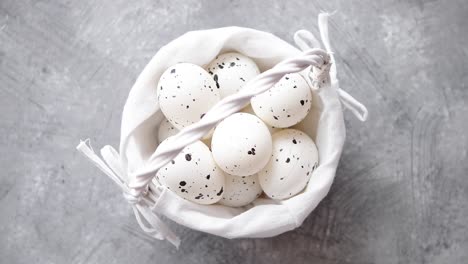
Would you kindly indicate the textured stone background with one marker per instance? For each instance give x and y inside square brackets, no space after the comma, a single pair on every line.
[401,191]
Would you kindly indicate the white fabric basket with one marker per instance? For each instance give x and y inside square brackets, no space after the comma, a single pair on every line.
[137,162]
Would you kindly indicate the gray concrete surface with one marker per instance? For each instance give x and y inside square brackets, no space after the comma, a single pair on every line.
[401,191]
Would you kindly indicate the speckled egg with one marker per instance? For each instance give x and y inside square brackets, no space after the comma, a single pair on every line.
[286,103]
[193,175]
[240,191]
[248,109]
[231,71]
[185,93]
[293,160]
[241,144]
[166,129]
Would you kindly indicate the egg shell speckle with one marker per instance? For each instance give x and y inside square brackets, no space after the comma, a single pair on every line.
[185,93]
[241,144]
[309,124]
[231,71]
[286,103]
[193,175]
[166,130]
[240,191]
[248,109]
[292,163]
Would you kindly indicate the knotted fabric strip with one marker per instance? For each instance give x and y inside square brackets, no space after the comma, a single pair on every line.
[141,202]
[305,40]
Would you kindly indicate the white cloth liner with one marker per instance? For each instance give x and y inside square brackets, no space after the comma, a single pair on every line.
[141,115]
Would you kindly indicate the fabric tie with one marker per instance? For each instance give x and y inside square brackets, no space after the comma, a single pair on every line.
[305,40]
[141,202]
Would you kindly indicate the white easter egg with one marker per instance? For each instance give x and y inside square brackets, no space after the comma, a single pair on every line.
[185,93]
[240,191]
[231,71]
[193,175]
[248,109]
[293,160]
[166,129]
[309,124]
[241,144]
[286,103]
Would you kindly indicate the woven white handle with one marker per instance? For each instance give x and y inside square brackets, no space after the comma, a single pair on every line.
[139,180]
